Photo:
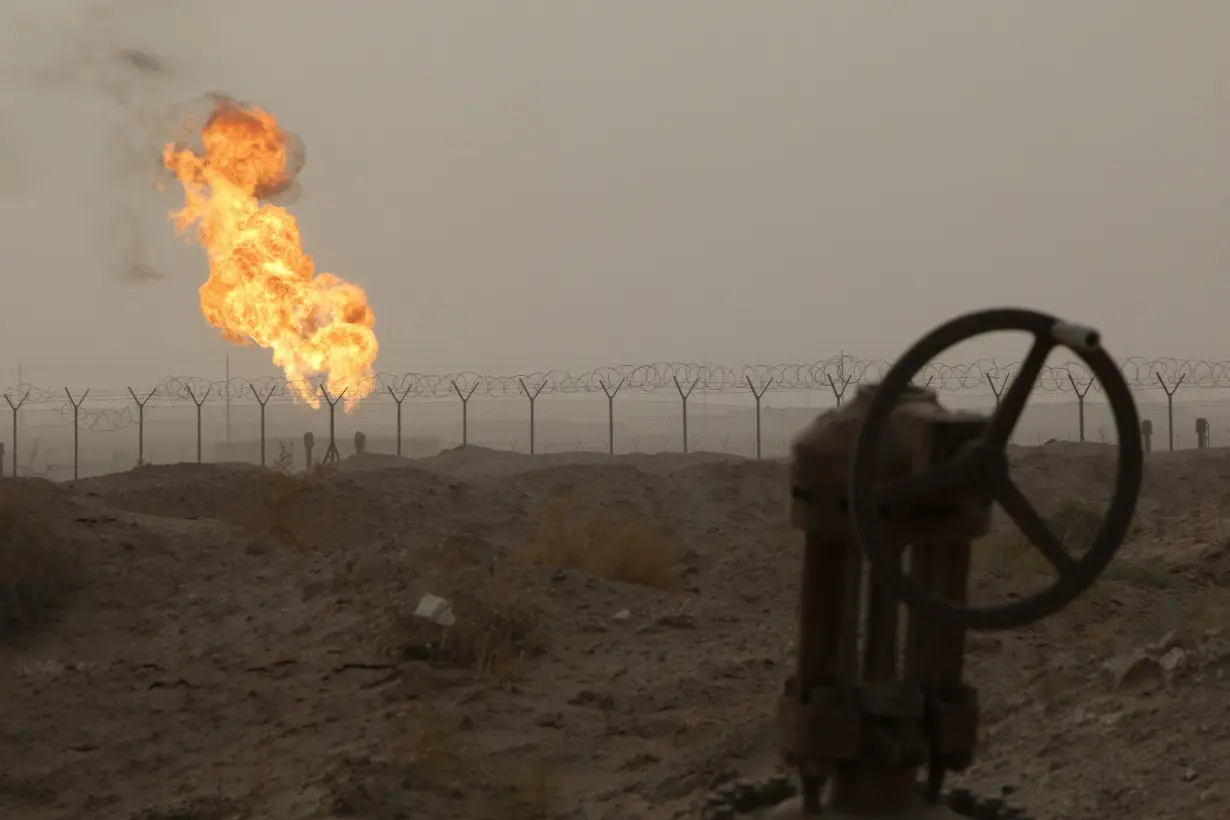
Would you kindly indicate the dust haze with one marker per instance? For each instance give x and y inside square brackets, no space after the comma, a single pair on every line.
[116,57]
[741,185]
[633,266]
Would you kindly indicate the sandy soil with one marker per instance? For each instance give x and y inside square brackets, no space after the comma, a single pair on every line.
[242,644]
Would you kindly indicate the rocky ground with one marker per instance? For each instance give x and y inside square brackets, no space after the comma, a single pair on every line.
[211,642]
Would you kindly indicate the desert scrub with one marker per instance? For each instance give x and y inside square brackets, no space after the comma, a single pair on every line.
[498,628]
[282,498]
[37,572]
[628,549]
[1009,552]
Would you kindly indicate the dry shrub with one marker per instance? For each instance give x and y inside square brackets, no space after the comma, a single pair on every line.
[433,748]
[529,793]
[1076,522]
[1008,553]
[439,755]
[703,724]
[1011,553]
[37,572]
[631,549]
[274,514]
[284,463]
[497,630]
[1146,574]
[1204,614]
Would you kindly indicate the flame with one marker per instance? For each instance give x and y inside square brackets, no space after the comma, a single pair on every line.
[262,287]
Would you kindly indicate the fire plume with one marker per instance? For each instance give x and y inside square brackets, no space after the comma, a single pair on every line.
[262,287]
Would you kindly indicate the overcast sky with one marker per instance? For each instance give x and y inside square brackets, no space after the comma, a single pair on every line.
[570,183]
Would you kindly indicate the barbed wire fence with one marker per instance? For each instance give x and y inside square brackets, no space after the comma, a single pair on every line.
[837,375]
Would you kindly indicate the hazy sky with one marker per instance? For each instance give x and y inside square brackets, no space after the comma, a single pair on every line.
[534,184]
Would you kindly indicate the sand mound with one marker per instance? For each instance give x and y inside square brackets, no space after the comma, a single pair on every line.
[230,642]
[471,462]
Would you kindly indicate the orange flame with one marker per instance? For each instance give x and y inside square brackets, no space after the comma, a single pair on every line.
[262,287]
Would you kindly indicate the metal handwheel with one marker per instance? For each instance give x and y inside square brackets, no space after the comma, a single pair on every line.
[984,464]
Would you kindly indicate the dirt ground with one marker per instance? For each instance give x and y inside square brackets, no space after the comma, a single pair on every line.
[211,642]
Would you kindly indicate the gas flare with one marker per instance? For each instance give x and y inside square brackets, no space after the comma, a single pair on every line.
[262,287]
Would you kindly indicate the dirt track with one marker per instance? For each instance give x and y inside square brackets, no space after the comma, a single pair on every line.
[240,644]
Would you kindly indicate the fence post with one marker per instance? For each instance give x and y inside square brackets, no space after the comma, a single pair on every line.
[927,383]
[141,423]
[1170,391]
[1202,433]
[331,454]
[399,400]
[839,393]
[684,397]
[465,410]
[1080,401]
[757,397]
[610,412]
[532,397]
[198,403]
[262,401]
[76,427]
[997,389]
[15,408]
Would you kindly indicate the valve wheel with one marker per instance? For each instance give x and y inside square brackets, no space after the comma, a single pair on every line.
[984,463]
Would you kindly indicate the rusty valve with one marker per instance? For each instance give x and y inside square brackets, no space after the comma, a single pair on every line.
[896,479]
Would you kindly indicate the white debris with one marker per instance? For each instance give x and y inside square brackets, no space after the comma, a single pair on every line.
[435,609]
[623,615]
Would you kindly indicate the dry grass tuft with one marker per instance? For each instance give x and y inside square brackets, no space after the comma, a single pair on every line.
[529,794]
[439,755]
[1204,615]
[434,749]
[1076,523]
[285,461]
[632,550]
[1145,574]
[37,572]
[275,514]
[498,629]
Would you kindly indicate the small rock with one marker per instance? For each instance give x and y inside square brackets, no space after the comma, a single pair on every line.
[550,720]
[678,620]
[435,609]
[1062,661]
[622,615]
[1173,659]
[980,642]
[1164,644]
[1134,670]
[313,589]
[639,760]
[1216,649]
[256,547]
